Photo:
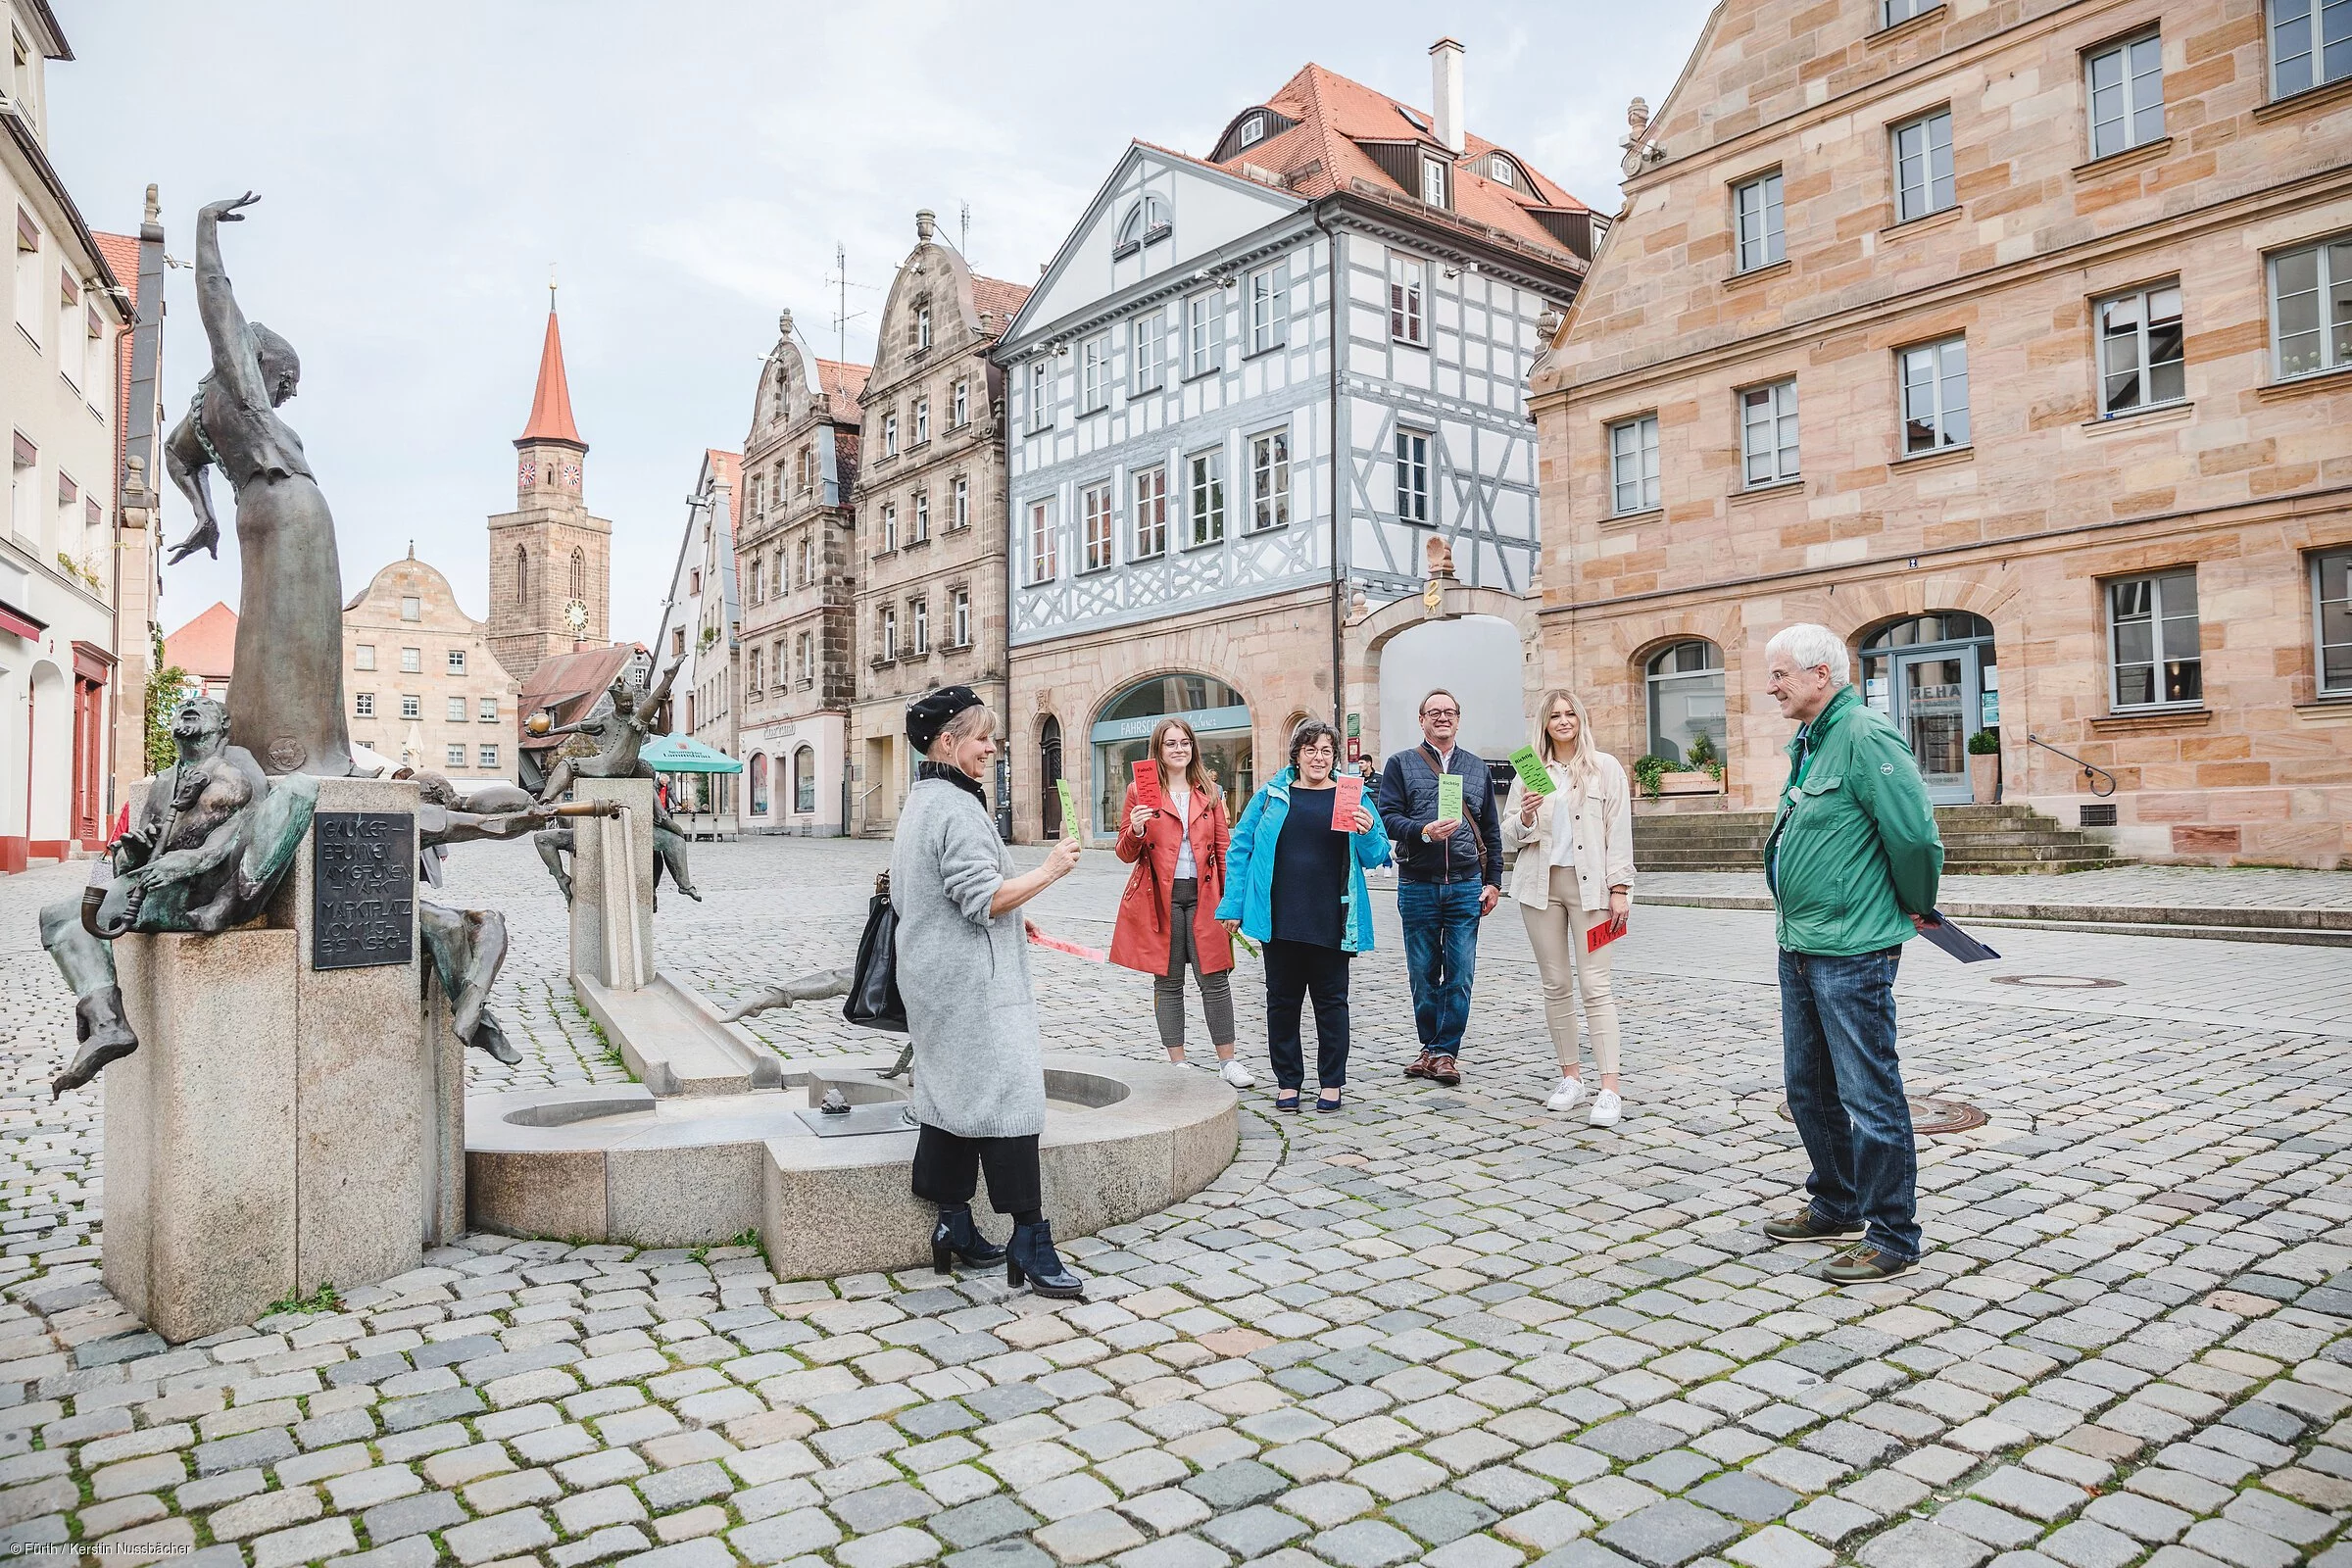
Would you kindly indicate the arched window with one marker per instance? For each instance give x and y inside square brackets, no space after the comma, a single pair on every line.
[759,784]
[579,575]
[522,574]
[804,781]
[1686,700]
[1145,222]
[1122,737]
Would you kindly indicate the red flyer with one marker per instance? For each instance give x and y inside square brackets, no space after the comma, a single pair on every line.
[1347,798]
[1147,786]
[1603,932]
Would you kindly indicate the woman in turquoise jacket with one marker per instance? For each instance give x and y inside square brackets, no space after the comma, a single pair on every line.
[1295,882]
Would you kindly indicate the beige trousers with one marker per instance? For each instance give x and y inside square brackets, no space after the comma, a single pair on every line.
[1556,932]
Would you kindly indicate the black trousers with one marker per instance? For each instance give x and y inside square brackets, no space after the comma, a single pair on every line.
[947,1171]
[1293,970]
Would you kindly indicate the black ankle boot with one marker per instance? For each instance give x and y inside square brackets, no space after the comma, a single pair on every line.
[1032,1255]
[957,1233]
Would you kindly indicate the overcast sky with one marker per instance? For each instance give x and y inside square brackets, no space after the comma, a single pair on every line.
[689,168]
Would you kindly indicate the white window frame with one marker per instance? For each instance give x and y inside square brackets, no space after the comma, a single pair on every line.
[918,617]
[890,527]
[2300,64]
[2139,61]
[1205,498]
[807,657]
[960,608]
[1759,225]
[1634,465]
[890,435]
[1411,462]
[2139,338]
[2331,274]
[411,660]
[1769,434]
[1045,550]
[1435,180]
[960,403]
[362,705]
[455,659]
[921,521]
[890,631]
[1147,363]
[363,656]
[1891,12]
[452,710]
[1203,332]
[1041,393]
[1265,315]
[959,514]
[485,755]
[1148,514]
[453,755]
[1254,130]
[922,420]
[1270,479]
[1933,192]
[2159,644]
[411,705]
[1939,408]
[922,327]
[487,714]
[2319,622]
[1093,373]
[1098,528]
[1408,299]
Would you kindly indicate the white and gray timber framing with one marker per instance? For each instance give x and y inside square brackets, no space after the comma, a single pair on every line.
[1224,340]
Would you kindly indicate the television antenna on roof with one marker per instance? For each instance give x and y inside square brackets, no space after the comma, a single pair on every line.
[843,315]
[963,232]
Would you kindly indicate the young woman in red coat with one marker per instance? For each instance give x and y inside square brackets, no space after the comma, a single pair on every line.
[1167,917]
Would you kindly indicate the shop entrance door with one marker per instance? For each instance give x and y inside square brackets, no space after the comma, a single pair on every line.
[1936,696]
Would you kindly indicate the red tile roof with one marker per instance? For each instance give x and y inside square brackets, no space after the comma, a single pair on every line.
[551,404]
[569,684]
[205,647]
[998,301]
[842,382]
[1321,155]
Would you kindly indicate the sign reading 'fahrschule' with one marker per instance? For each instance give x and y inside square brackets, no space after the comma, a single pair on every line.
[363,889]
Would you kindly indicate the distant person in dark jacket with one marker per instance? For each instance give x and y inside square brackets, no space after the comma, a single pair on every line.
[1449,878]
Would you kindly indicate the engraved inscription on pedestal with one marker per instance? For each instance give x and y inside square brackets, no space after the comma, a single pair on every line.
[363,893]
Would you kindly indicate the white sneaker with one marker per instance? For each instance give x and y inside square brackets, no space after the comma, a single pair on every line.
[1606,1107]
[1571,1090]
[1234,1073]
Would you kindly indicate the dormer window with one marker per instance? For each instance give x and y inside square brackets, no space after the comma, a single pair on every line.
[1254,130]
[1145,224]
[1432,181]
[1499,170]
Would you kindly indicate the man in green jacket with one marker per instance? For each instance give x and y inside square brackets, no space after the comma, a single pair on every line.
[1852,861]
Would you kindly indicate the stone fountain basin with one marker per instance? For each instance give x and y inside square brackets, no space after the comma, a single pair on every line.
[614,1163]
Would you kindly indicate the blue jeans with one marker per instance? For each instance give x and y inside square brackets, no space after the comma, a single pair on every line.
[1845,1092]
[1441,956]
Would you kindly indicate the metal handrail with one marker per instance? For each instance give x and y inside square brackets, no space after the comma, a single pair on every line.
[2093,774]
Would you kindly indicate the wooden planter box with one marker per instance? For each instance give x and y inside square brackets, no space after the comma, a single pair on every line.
[1688,784]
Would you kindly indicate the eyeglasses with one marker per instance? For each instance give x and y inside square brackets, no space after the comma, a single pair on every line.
[1440,713]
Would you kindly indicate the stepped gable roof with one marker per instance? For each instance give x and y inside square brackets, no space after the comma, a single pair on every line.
[998,301]
[1321,154]
[842,382]
[551,403]
[207,645]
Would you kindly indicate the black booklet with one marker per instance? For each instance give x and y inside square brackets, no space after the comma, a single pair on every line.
[1954,941]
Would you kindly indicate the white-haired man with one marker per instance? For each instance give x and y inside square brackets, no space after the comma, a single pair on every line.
[1852,861]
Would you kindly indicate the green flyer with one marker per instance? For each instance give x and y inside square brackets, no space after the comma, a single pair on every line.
[1449,797]
[1069,812]
[1532,772]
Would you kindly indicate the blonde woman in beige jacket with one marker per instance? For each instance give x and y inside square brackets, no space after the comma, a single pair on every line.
[1574,872]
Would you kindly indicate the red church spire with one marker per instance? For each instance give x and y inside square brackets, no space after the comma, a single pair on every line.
[551,404]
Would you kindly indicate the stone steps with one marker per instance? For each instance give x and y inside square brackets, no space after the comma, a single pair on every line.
[1993,839]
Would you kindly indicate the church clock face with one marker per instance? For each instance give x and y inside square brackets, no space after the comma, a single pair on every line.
[526,472]
[571,476]
[575,617]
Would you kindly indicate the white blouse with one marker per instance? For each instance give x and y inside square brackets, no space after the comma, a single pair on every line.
[1181,800]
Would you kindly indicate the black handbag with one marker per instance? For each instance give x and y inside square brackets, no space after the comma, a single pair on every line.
[873,1002]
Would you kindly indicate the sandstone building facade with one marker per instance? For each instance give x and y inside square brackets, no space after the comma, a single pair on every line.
[550,562]
[793,555]
[1258,403]
[426,687]
[2013,343]
[928,599]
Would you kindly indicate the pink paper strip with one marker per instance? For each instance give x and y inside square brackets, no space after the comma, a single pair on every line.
[1089,954]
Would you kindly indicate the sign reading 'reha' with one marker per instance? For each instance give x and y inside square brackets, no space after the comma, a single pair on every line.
[363,889]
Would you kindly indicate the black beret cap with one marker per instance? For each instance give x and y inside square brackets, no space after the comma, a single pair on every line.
[929,713]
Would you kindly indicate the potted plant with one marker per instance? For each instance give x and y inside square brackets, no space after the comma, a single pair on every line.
[1984,767]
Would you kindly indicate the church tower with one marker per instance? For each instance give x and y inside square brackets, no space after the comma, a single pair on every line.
[551,563]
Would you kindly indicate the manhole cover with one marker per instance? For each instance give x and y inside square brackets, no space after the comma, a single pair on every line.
[1930,1117]
[2053,982]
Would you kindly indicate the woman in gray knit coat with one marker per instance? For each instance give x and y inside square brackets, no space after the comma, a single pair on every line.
[963,956]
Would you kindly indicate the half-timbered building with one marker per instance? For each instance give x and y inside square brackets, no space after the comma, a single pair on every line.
[1216,514]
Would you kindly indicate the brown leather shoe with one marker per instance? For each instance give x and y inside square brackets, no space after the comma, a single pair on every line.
[1442,1070]
[1421,1066]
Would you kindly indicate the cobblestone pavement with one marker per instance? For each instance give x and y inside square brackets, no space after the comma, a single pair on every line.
[2191,886]
[1440,1327]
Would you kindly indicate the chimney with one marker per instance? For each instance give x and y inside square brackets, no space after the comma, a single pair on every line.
[923,220]
[1445,92]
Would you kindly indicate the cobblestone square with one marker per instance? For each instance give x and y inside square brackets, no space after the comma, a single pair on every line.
[1440,1327]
